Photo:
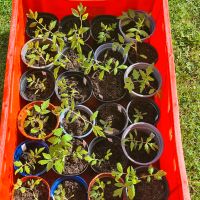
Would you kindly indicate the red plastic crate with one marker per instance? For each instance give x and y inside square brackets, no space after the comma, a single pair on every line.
[172,160]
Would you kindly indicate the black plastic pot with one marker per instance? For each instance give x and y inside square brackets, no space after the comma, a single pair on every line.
[144,105]
[118,154]
[106,20]
[119,114]
[151,31]
[143,66]
[47,18]
[145,129]
[38,74]
[68,22]
[83,81]
[141,171]
[145,53]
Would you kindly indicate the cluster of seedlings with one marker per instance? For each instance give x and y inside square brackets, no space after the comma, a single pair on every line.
[67,72]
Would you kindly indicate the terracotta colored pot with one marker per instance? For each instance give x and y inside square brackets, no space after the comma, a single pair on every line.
[23,114]
[24,179]
[99,176]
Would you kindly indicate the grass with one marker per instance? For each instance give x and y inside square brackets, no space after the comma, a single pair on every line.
[185,15]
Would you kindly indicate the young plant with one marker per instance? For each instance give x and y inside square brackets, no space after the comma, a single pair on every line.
[142,77]
[36,84]
[32,159]
[143,144]
[37,119]
[29,187]
[106,30]
[138,115]
[75,35]
[107,126]
[60,193]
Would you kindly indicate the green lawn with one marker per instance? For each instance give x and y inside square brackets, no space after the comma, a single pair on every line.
[185,21]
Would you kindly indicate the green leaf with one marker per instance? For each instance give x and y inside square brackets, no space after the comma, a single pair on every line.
[34,130]
[131,192]
[75,12]
[85,16]
[135,74]
[121,38]
[118,192]
[94,116]
[58,132]
[49,166]
[22,190]
[52,25]
[45,104]
[37,108]
[129,84]
[45,47]
[150,170]
[119,167]
[27,169]
[59,166]
[40,20]
[66,138]
[151,91]
[46,156]
[18,163]
[33,24]
[43,162]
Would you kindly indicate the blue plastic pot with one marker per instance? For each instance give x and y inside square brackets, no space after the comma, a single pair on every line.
[77,179]
[25,146]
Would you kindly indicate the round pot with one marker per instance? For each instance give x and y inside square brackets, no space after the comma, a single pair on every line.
[24,179]
[144,170]
[101,176]
[77,179]
[143,49]
[156,74]
[117,154]
[68,22]
[152,26]
[27,145]
[84,109]
[38,73]
[118,111]
[107,20]
[147,129]
[47,18]
[144,103]
[23,114]
[108,46]
[25,50]
[83,81]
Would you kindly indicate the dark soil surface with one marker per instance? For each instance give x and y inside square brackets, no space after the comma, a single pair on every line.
[75,166]
[74,191]
[79,84]
[49,126]
[143,49]
[106,20]
[109,189]
[40,191]
[151,115]
[77,128]
[30,91]
[153,84]
[100,149]
[141,155]
[25,158]
[154,190]
[47,18]
[111,88]
[112,113]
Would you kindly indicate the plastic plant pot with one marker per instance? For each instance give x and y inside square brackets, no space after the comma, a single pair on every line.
[152,27]
[76,179]
[44,182]
[82,81]
[100,145]
[27,145]
[68,22]
[106,20]
[144,170]
[42,74]
[150,110]
[84,110]
[100,177]
[143,49]
[108,47]
[22,117]
[143,66]
[146,129]
[47,18]
[119,117]
[25,50]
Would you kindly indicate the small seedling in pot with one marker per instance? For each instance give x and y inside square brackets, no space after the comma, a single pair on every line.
[32,158]
[143,78]
[147,144]
[138,115]
[75,35]
[29,187]
[37,119]
[104,35]
[107,126]
[60,193]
